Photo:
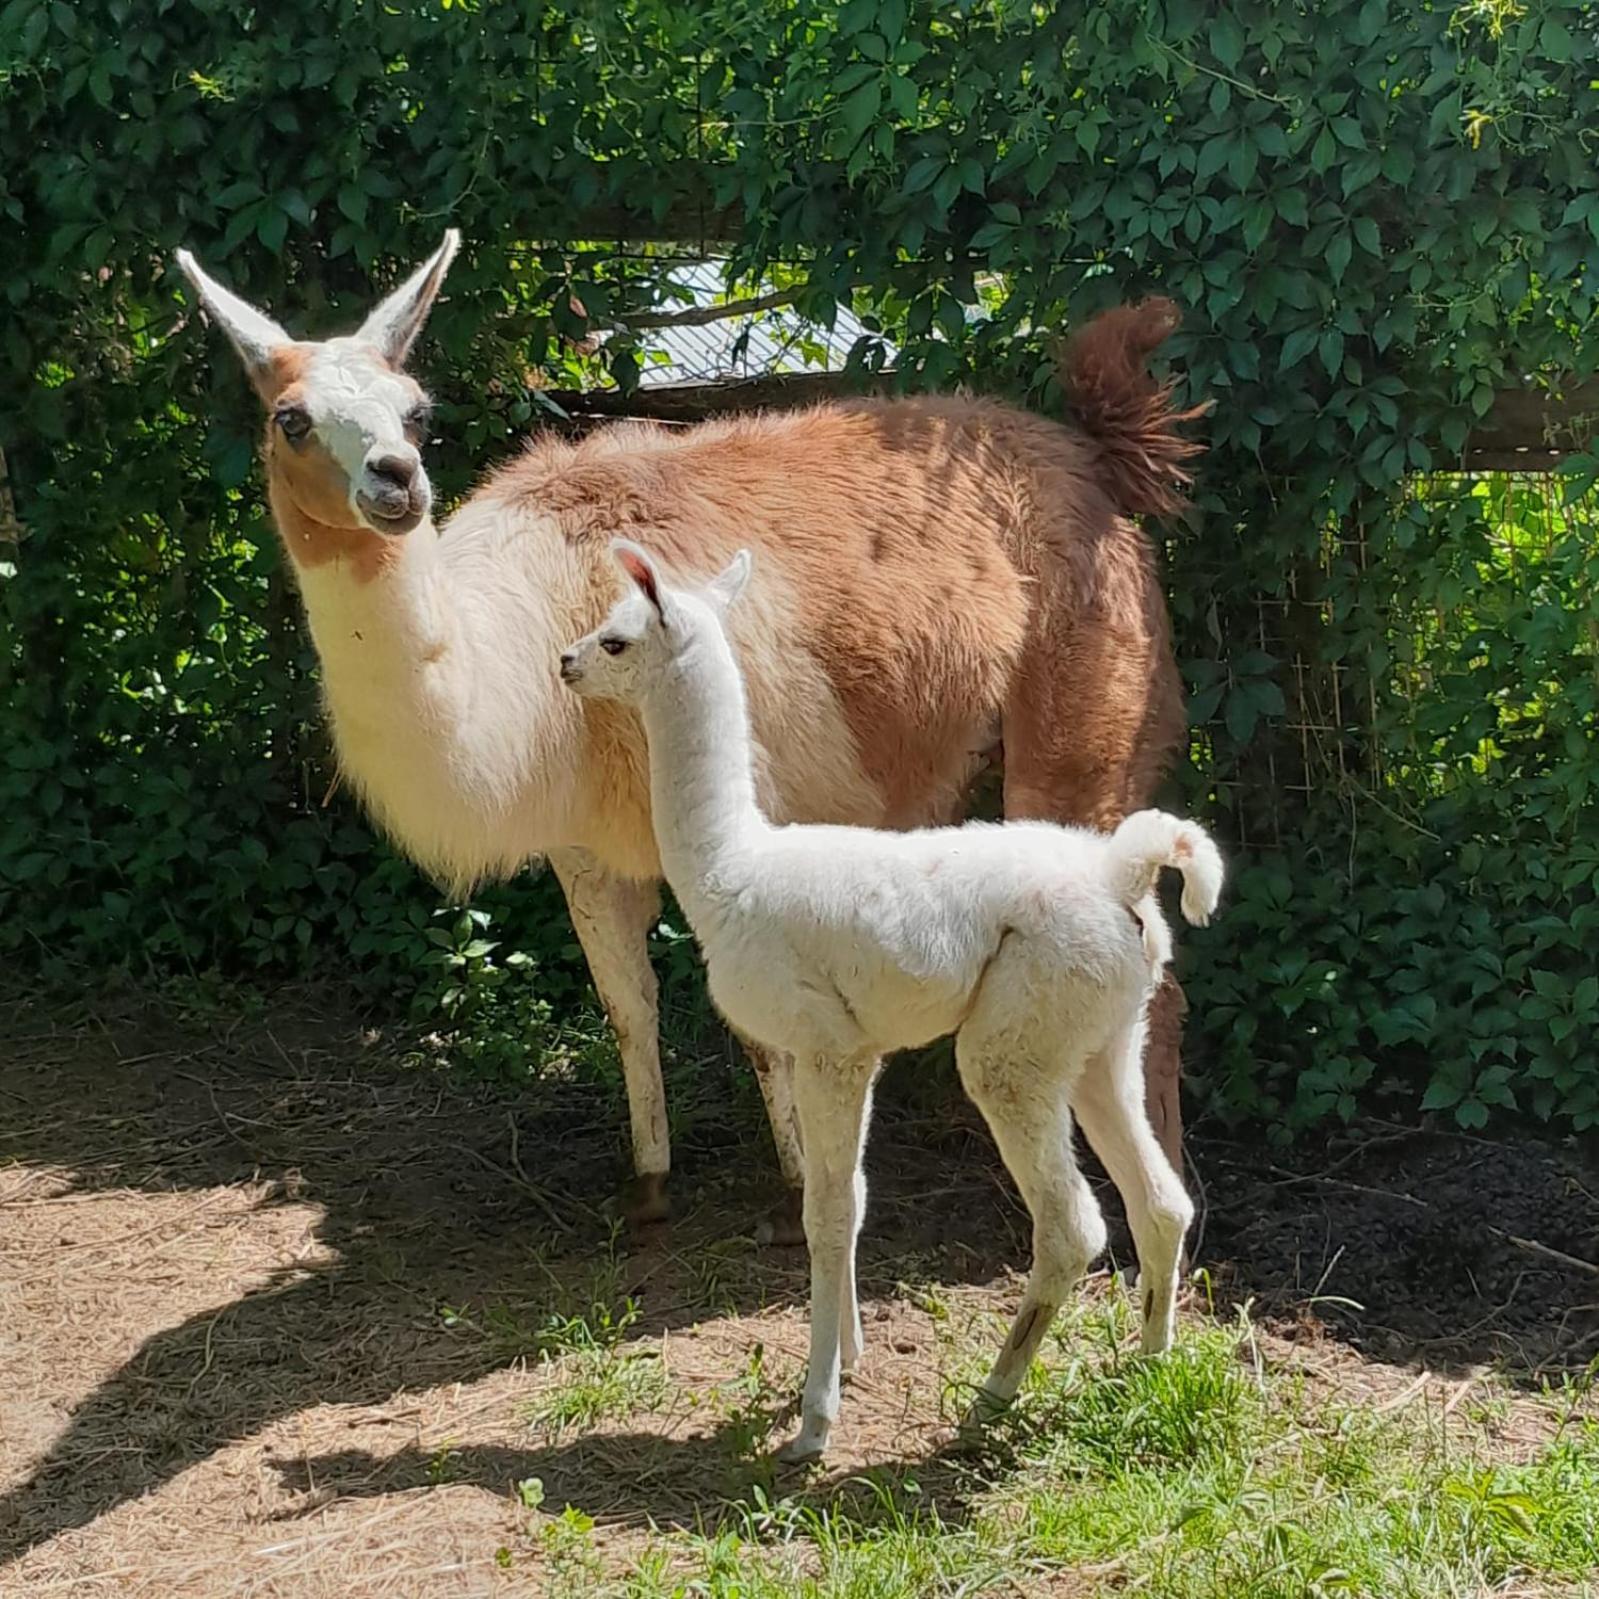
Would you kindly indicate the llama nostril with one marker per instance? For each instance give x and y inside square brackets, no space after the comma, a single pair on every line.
[400,470]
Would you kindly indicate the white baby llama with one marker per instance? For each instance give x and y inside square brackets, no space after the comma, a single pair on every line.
[1039,946]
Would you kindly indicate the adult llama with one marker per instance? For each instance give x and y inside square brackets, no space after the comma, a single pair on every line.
[937,580]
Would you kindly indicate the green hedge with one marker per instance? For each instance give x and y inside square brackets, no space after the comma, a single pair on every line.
[1375,214]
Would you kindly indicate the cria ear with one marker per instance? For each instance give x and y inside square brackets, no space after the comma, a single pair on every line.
[725,588]
[253,333]
[637,563]
[394,325]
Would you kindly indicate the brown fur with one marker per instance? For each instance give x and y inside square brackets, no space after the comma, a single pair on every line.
[1122,407]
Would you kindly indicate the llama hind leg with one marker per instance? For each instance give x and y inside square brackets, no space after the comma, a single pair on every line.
[612,917]
[833,1099]
[1025,1107]
[1109,1102]
[774,1071]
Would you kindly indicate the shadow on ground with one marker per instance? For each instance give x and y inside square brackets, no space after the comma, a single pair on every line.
[445,1206]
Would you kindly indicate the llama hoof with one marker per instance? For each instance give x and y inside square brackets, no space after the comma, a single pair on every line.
[645,1201]
[783,1227]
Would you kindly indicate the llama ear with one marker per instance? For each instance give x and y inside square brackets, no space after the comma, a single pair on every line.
[637,563]
[253,333]
[394,325]
[725,588]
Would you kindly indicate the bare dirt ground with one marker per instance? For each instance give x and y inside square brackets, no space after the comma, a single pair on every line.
[271,1306]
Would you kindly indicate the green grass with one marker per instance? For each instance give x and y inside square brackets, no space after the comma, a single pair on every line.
[1214,1473]
[593,1376]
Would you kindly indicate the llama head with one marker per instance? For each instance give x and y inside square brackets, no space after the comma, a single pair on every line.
[346,421]
[649,627]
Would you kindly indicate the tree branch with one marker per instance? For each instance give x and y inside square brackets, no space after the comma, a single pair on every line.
[1526,430]
[698,316]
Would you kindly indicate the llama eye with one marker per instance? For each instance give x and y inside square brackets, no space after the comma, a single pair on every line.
[293,423]
[417,420]
[613,646]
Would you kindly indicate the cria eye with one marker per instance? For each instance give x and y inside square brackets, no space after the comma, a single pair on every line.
[293,423]
[613,646]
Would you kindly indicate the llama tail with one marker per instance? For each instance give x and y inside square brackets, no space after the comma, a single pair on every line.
[1149,840]
[1125,411]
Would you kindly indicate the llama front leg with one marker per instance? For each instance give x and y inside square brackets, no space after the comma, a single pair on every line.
[833,1099]
[613,917]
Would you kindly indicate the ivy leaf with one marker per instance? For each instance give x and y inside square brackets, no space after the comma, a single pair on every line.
[1339,249]
[1348,132]
[1296,347]
[1292,208]
[1441,1094]
[1554,39]
[859,108]
[1226,40]
[1240,715]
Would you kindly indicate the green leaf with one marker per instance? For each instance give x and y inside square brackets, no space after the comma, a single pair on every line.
[1367,236]
[1240,715]
[1339,250]
[858,110]
[1348,132]
[1226,40]
[1441,1094]
[1292,208]
[1297,346]
[1555,40]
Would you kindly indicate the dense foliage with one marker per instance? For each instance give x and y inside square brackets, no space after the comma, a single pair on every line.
[1375,214]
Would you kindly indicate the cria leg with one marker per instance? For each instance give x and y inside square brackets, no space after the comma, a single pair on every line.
[613,917]
[833,1099]
[852,1337]
[1025,1106]
[1109,1101]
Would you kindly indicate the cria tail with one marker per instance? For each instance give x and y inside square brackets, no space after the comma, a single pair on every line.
[1149,840]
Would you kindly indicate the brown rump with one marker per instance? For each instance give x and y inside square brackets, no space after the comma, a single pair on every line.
[1129,415]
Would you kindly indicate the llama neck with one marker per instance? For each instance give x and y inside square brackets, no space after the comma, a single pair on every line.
[379,608]
[702,763]
[445,710]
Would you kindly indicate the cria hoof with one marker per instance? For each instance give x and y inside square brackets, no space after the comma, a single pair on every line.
[970,1438]
[784,1225]
[800,1451]
[645,1202]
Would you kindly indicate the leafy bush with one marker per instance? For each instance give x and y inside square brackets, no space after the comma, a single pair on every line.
[1375,215]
